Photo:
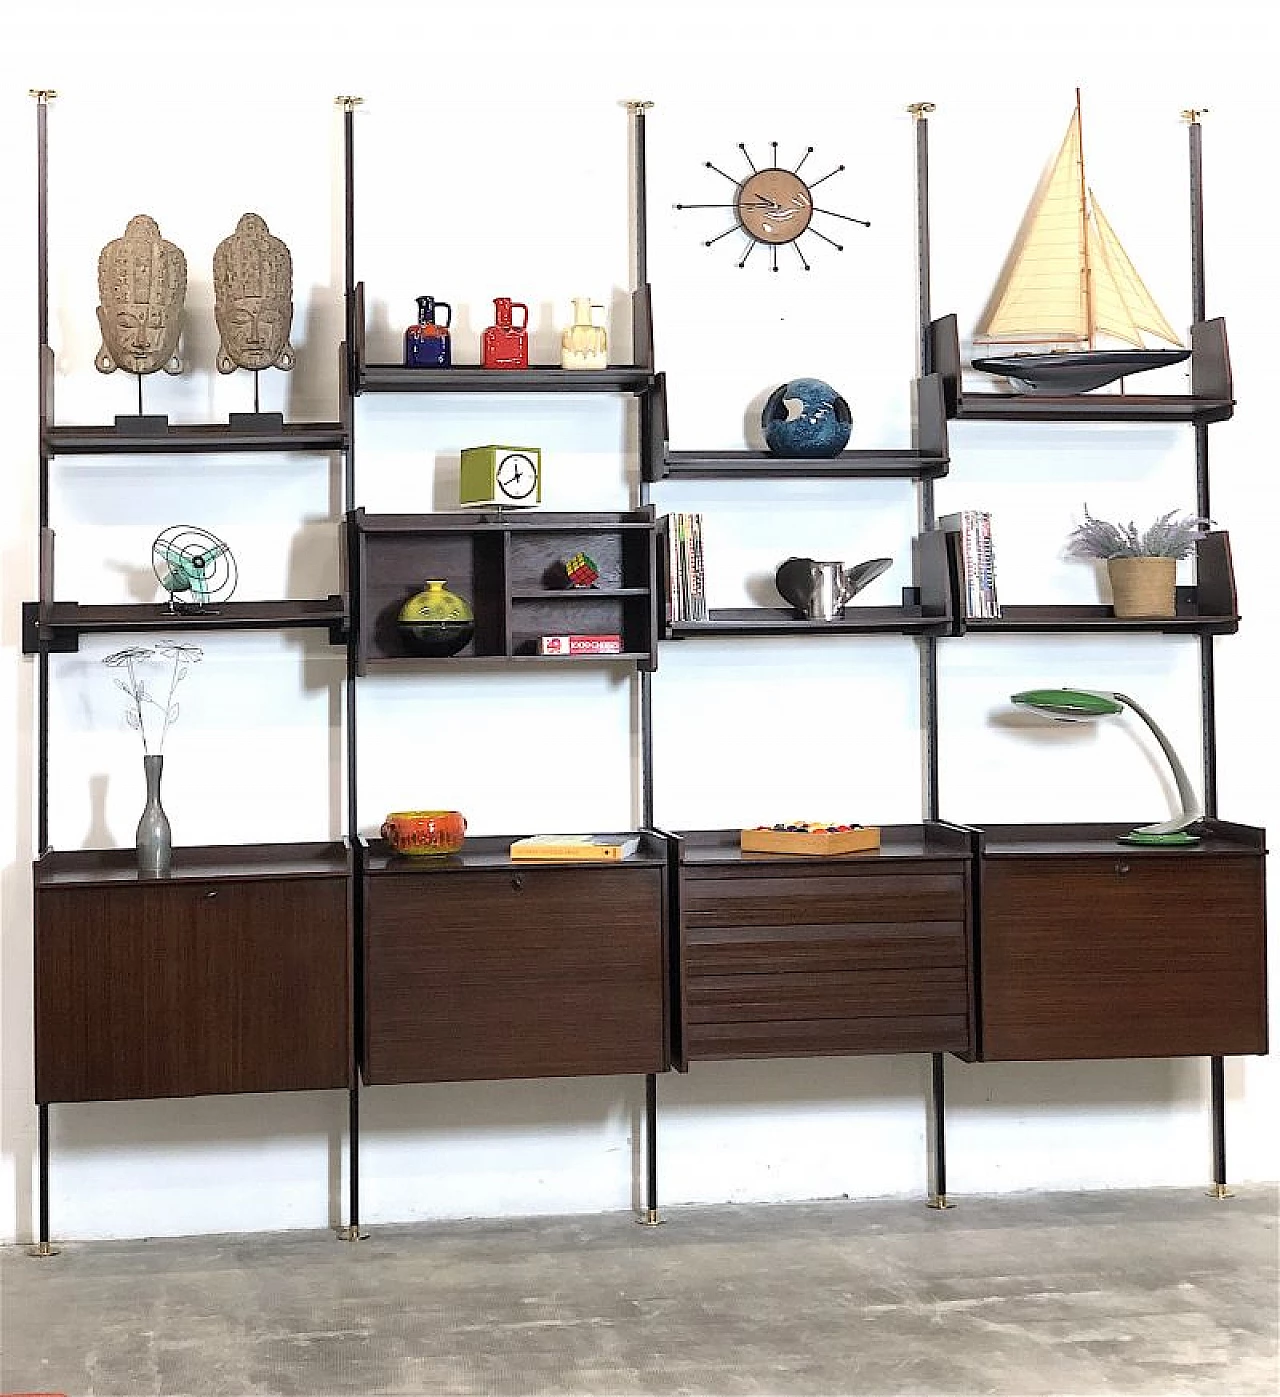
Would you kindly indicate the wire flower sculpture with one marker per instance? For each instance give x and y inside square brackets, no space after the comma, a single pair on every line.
[151,717]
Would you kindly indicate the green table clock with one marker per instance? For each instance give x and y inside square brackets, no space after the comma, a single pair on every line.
[501,475]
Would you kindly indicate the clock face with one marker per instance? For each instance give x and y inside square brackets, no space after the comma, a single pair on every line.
[774,206]
[516,475]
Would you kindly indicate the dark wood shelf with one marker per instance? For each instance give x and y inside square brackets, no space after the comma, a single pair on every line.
[537,378]
[63,623]
[634,377]
[1208,608]
[493,851]
[935,838]
[775,621]
[198,862]
[194,438]
[927,459]
[508,566]
[1210,399]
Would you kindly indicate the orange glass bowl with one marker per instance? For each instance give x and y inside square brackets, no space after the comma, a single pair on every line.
[419,833]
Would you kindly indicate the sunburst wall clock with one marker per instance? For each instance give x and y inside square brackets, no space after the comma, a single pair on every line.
[774,207]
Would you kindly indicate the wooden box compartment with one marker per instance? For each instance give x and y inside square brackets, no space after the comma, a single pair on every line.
[476,967]
[510,569]
[230,975]
[808,955]
[1094,949]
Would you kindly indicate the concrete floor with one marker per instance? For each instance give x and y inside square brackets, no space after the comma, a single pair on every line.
[1162,1291]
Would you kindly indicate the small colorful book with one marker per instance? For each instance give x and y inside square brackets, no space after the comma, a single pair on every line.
[603,847]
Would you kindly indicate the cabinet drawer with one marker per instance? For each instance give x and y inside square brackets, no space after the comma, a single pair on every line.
[1118,956]
[782,962]
[523,973]
[765,898]
[148,990]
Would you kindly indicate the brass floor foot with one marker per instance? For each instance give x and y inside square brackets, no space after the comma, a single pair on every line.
[650,1218]
[351,1234]
[1219,1191]
[939,1201]
[42,1249]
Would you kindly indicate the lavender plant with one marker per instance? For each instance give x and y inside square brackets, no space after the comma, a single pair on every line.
[143,703]
[1168,537]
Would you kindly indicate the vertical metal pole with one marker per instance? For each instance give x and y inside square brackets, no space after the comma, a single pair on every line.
[349,104]
[1208,697]
[937,1134]
[42,97]
[650,1218]
[637,109]
[42,1247]
[936,1127]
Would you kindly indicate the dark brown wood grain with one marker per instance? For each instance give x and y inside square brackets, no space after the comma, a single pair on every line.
[530,972]
[191,988]
[1109,955]
[789,958]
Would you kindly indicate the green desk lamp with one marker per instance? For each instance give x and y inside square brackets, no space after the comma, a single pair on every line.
[1079,705]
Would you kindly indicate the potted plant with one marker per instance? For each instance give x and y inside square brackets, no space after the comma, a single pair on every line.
[1140,563]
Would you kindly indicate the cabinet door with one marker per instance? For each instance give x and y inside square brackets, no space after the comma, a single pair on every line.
[1122,956]
[779,963]
[537,972]
[188,989]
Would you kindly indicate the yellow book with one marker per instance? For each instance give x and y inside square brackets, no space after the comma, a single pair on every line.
[605,847]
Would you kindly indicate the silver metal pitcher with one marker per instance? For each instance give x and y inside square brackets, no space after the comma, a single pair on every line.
[828,591]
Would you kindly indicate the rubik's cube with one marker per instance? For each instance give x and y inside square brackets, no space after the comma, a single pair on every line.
[581,570]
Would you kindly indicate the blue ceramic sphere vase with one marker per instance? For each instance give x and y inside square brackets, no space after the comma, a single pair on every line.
[806,417]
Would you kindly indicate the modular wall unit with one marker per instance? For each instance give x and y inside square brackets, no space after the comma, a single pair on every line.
[342,965]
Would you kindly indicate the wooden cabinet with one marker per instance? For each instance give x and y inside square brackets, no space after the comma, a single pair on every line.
[230,975]
[478,967]
[1095,949]
[511,572]
[786,956]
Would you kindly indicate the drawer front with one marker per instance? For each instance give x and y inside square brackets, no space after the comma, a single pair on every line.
[784,964]
[538,972]
[1123,957]
[191,989]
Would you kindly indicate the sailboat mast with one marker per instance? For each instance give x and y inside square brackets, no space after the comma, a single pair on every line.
[1086,271]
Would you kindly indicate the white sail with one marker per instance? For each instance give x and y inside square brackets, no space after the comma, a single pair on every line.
[1122,305]
[1067,279]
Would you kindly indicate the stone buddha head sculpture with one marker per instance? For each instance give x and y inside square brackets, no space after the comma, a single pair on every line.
[142,285]
[253,298]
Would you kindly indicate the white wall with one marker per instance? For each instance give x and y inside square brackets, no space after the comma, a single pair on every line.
[492,159]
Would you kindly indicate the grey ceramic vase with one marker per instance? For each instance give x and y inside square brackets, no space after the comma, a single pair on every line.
[154,838]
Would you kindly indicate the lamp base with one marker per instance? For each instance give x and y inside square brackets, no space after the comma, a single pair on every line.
[1179,839]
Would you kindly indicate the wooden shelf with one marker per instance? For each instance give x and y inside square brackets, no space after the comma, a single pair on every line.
[927,459]
[1210,399]
[193,438]
[1208,608]
[775,621]
[636,377]
[62,625]
[507,566]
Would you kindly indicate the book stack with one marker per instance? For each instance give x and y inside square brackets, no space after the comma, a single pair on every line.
[600,848]
[972,528]
[686,587]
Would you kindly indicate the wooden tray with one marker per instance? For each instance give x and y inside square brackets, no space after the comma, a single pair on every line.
[784,841]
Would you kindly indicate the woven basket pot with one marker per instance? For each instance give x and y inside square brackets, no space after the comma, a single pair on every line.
[1142,588]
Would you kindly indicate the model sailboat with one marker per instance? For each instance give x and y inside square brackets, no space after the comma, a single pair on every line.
[1069,282]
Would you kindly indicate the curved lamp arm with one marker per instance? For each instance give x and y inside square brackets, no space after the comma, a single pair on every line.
[1191,808]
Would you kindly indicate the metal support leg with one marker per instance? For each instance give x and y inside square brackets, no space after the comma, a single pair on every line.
[650,1216]
[352,1232]
[937,1136]
[1218,1094]
[42,1247]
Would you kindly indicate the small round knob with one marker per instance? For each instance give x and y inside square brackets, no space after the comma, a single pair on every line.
[1122,869]
[517,882]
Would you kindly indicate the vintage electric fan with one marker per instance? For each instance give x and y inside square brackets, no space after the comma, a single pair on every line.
[193,562]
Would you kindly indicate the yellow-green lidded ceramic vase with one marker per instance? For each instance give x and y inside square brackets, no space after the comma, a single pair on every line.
[436,621]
